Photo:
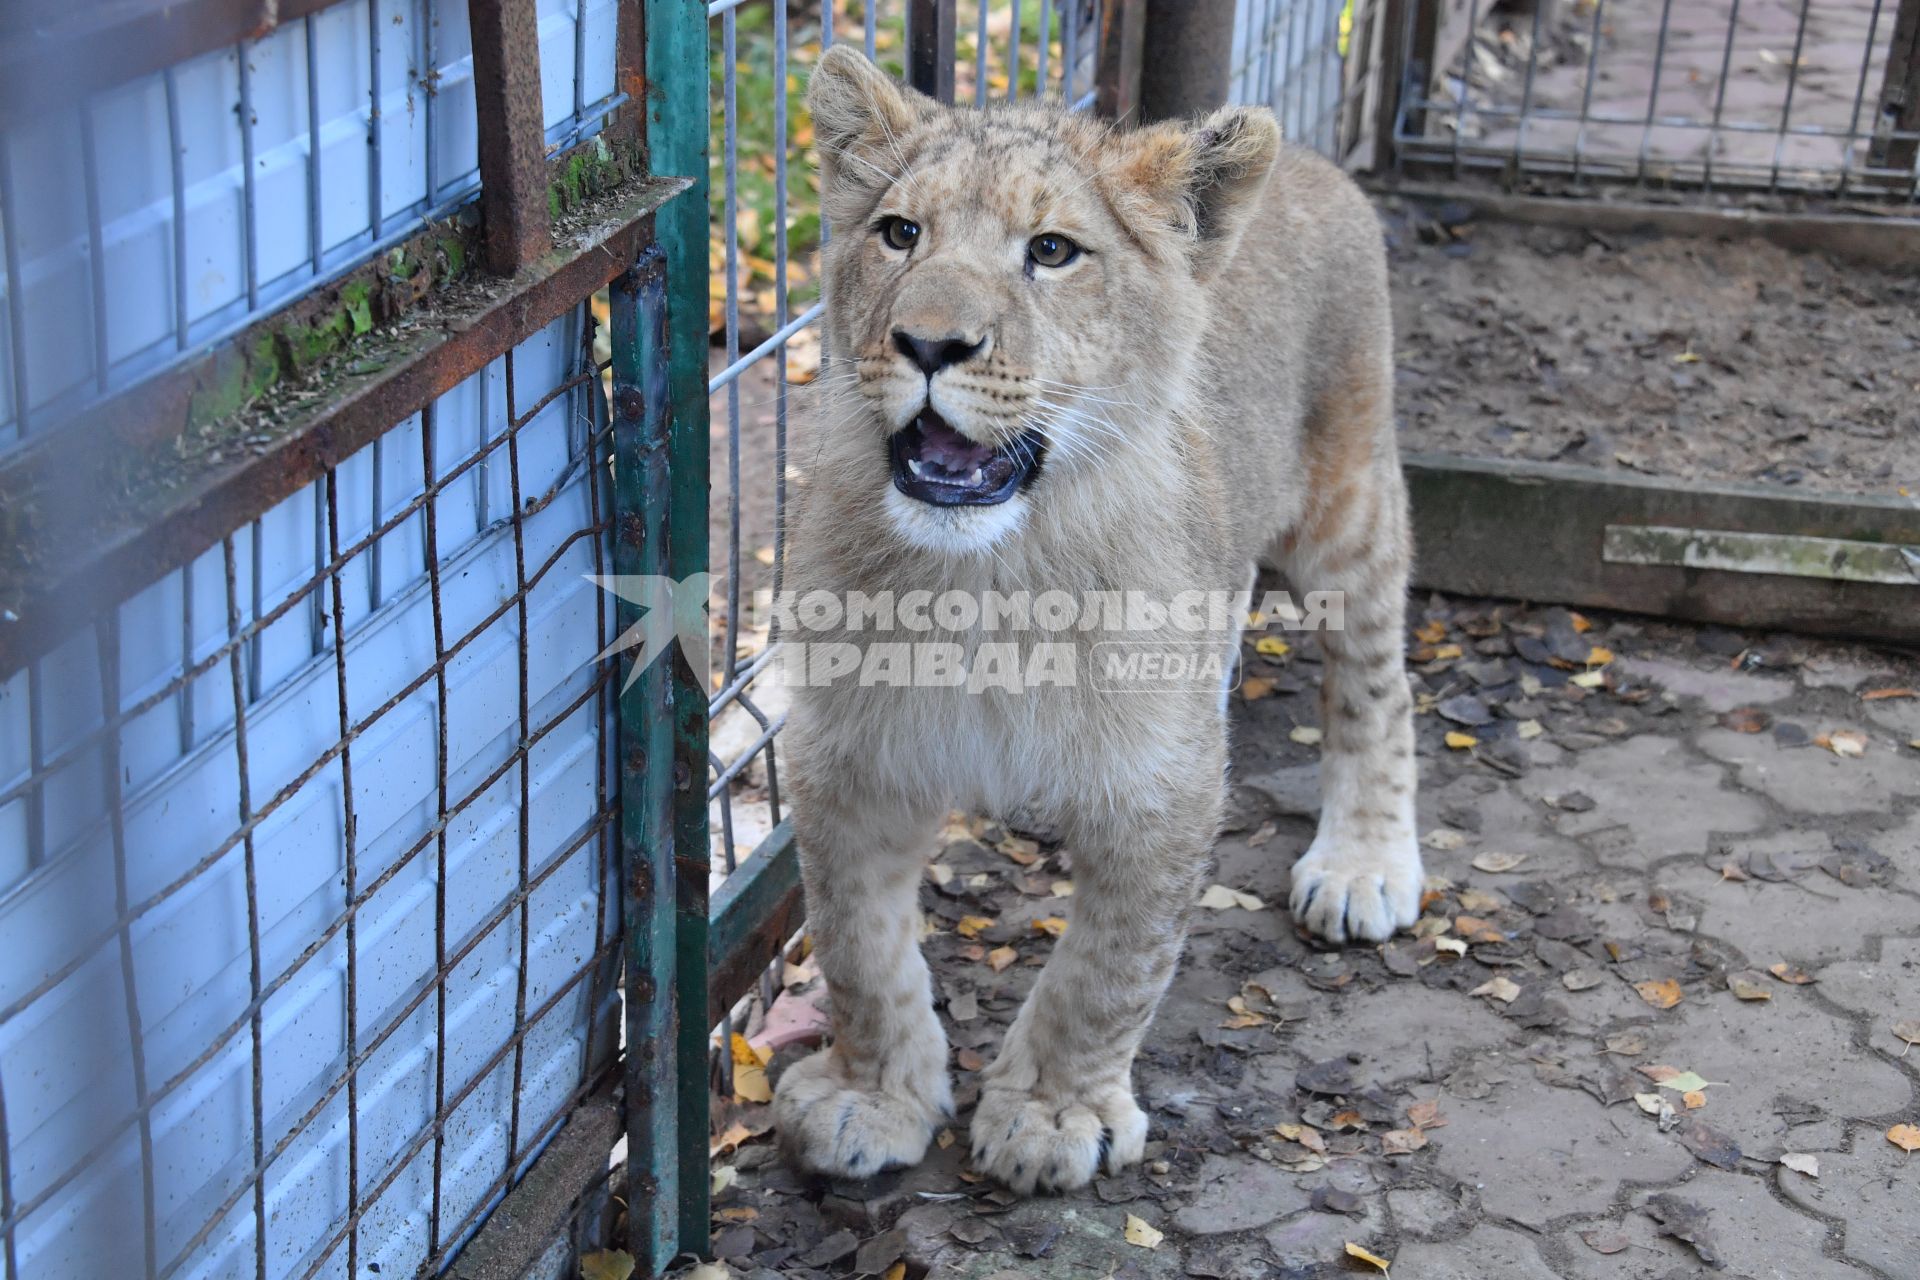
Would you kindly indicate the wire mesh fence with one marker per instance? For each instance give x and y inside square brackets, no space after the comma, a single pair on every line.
[1780,96]
[202,194]
[345,776]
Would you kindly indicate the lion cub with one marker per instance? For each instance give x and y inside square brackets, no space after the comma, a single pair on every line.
[1067,364]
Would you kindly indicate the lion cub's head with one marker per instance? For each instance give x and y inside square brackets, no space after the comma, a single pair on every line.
[1015,297]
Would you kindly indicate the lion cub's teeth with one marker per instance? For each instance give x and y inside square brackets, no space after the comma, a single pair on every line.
[913,465]
[976,477]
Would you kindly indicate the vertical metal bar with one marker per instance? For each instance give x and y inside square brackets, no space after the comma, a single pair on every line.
[16,289]
[96,246]
[316,599]
[375,552]
[641,425]
[316,244]
[1720,92]
[249,866]
[731,205]
[580,59]
[869,10]
[1043,48]
[1899,101]
[1069,48]
[350,840]
[513,141]
[257,641]
[1122,39]
[376,200]
[430,90]
[432,489]
[526,769]
[249,207]
[177,168]
[7,1239]
[1859,97]
[107,648]
[1586,92]
[930,47]
[1013,56]
[183,696]
[481,483]
[1526,93]
[1466,69]
[1786,105]
[979,53]
[1653,91]
[826,25]
[781,307]
[677,142]
[36,765]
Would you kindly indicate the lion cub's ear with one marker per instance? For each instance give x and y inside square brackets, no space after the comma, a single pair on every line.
[858,111]
[1203,180]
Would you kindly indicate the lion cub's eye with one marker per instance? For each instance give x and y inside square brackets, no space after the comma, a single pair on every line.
[1048,250]
[899,233]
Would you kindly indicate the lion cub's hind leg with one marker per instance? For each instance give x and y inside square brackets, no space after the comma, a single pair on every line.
[1361,877]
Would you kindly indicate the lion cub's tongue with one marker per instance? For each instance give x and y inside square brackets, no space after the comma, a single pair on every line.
[943,447]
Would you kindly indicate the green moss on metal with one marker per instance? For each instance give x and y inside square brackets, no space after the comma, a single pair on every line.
[589,171]
[453,251]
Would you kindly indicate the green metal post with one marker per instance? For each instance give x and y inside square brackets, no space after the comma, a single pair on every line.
[677,72]
[641,481]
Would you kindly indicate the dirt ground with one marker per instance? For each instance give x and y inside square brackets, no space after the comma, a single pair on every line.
[1732,361]
[1649,1025]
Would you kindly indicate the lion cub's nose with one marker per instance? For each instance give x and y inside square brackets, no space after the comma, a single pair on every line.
[931,355]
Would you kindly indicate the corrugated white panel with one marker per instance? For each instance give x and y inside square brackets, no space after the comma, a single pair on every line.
[368,103]
[67,1057]
[1286,55]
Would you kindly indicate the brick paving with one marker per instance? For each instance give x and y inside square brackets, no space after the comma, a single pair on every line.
[1475,1115]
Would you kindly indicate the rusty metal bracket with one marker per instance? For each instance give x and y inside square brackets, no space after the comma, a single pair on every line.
[506,87]
[72,548]
[1895,145]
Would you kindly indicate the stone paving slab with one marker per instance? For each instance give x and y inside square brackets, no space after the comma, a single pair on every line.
[1680,826]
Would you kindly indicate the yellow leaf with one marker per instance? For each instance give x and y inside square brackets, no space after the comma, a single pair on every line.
[1272,647]
[1445,653]
[970,926]
[736,1134]
[1904,1136]
[898,1271]
[1661,993]
[1686,357]
[1580,622]
[1589,679]
[746,1053]
[1461,741]
[1430,632]
[1020,849]
[1599,656]
[1305,734]
[1000,957]
[608,1264]
[1254,688]
[1142,1235]
[1052,926]
[750,1083]
[1694,1099]
[1355,1251]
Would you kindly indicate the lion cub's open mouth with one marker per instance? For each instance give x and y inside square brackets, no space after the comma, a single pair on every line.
[937,464]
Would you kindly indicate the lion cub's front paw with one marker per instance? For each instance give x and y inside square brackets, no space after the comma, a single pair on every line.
[1029,1141]
[830,1124]
[1341,893]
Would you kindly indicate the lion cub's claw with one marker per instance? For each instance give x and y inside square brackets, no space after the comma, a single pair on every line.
[1341,895]
[828,1125]
[1028,1143]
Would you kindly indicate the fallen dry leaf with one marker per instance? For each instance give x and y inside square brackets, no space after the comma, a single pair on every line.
[1444,653]
[1801,1163]
[1581,979]
[1694,1098]
[1528,730]
[1062,889]
[750,1083]
[1401,1142]
[1459,742]
[1139,1233]
[723,1177]
[1220,898]
[1425,1114]
[1606,1241]
[1305,734]
[1497,863]
[1746,720]
[1589,679]
[1000,957]
[1272,647]
[608,1264]
[1661,993]
[1505,990]
[710,1271]
[1599,656]
[1452,946]
[736,1134]
[1474,929]
[1430,632]
[1788,974]
[1443,839]
[1904,1136]
[1052,926]
[1628,1044]
[970,926]
[1875,695]
[1265,833]
[1374,1259]
[1022,850]
[1909,1032]
[940,873]
[1682,1081]
[898,1271]
[1749,984]
[1254,688]
[1846,743]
